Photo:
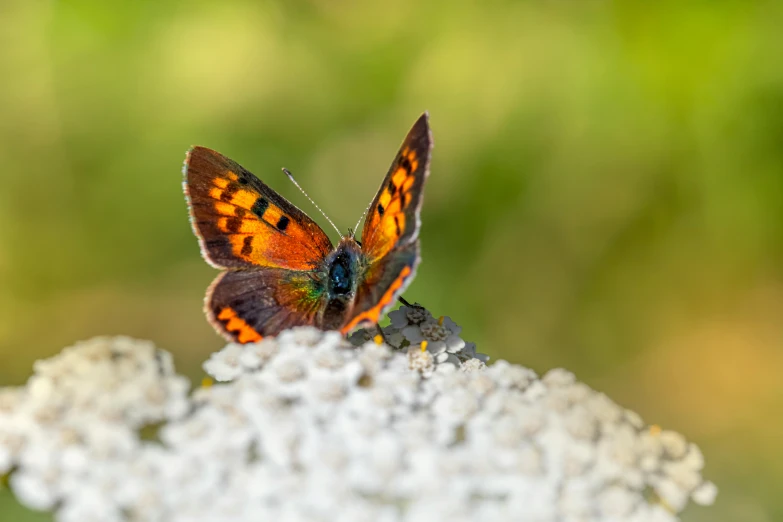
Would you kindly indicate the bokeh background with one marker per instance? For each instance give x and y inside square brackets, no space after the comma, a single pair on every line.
[606,191]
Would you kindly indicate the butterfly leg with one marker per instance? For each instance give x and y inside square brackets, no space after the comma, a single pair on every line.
[409,305]
[379,331]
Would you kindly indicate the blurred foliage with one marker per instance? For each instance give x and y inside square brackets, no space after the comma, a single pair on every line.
[606,190]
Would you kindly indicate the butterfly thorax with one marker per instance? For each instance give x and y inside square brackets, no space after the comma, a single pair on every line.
[343,265]
[341,274]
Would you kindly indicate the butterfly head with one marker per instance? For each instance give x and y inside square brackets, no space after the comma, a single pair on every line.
[344,265]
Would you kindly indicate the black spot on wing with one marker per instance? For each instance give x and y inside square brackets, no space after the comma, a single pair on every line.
[397,224]
[404,163]
[234,224]
[392,188]
[282,223]
[228,192]
[247,246]
[381,210]
[259,207]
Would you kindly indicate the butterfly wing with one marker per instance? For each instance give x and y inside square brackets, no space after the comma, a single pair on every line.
[393,218]
[241,222]
[390,234]
[247,305]
[384,280]
[273,251]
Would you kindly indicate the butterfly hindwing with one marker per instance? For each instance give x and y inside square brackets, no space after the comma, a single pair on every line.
[247,305]
[383,281]
[241,222]
[393,217]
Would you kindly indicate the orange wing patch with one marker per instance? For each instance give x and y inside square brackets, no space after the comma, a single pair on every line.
[241,221]
[392,217]
[373,315]
[259,232]
[237,326]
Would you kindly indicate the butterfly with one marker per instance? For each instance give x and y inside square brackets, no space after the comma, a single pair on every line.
[280,269]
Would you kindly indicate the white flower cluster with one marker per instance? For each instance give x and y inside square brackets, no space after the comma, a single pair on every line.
[71,435]
[309,428]
[427,340]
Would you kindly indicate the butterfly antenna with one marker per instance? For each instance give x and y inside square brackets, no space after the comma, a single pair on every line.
[362,217]
[291,177]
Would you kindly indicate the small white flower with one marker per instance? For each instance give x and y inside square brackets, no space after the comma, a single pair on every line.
[671,493]
[300,336]
[674,444]
[226,364]
[472,365]
[255,355]
[558,377]
[421,360]
[289,370]
[694,459]
[89,504]
[705,494]
[35,491]
[409,315]
[511,376]
[580,423]
[442,335]
[617,501]
[447,358]
[682,473]
[604,408]
[633,418]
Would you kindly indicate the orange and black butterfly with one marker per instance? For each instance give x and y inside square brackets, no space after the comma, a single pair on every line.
[281,269]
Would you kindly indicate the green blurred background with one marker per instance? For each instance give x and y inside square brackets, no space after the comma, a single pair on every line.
[606,191]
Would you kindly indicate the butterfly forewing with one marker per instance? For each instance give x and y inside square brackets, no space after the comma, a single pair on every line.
[393,217]
[241,222]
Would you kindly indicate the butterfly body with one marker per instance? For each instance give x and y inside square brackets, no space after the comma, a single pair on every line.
[281,269]
[343,269]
